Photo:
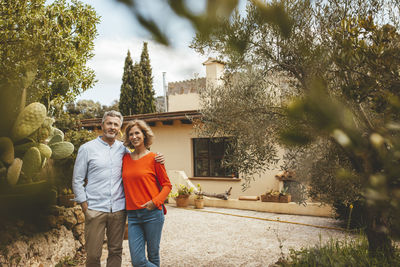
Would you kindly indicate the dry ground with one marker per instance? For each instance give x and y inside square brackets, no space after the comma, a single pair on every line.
[193,238]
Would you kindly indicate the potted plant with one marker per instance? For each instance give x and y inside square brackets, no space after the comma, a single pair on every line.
[284,196]
[182,195]
[199,200]
[270,196]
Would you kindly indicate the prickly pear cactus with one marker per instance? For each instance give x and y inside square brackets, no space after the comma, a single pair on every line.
[28,121]
[45,150]
[55,139]
[29,135]
[3,170]
[48,122]
[6,150]
[14,172]
[43,133]
[57,131]
[61,150]
[32,162]
[21,149]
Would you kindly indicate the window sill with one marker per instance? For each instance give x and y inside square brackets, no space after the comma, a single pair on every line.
[216,179]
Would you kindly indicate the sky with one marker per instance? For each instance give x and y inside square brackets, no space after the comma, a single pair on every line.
[118,31]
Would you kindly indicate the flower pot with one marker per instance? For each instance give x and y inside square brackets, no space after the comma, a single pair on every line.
[269,198]
[285,199]
[65,200]
[199,203]
[182,201]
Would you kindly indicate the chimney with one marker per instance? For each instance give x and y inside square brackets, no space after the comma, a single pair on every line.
[214,72]
[165,89]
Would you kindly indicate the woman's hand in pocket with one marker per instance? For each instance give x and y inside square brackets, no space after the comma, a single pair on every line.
[149,205]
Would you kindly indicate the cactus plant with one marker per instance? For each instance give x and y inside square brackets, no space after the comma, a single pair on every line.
[6,150]
[55,139]
[45,150]
[43,133]
[21,149]
[3,172]
[14,171]
[57,131]
[48,122]
[28,121]
[32,162]
[46,129]
[61,150]
[30,132]
[44,161]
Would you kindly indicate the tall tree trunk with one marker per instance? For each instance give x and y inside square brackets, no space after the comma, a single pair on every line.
[378,234]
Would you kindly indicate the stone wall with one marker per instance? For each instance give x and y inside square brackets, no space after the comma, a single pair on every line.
[187,86]
[63,240]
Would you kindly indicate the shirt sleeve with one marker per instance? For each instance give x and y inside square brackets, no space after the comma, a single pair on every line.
[163,179]
[78,179]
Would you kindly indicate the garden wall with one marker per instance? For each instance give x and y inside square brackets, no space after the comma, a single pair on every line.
[23,245]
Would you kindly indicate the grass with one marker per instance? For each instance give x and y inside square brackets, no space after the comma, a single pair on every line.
[338,253]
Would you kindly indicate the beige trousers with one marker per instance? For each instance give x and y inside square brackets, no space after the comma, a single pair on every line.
[96,223]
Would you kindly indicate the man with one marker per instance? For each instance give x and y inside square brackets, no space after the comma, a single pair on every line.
[102,199]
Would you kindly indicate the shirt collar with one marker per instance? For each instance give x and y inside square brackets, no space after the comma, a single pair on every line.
[104,142]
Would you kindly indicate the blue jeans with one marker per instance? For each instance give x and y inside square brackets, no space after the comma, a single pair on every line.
[145,226]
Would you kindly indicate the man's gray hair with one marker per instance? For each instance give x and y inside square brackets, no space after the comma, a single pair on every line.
[112,113]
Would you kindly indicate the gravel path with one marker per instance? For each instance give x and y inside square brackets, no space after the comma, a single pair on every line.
[193,238]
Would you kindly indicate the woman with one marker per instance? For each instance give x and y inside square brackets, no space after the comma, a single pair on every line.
[142,177]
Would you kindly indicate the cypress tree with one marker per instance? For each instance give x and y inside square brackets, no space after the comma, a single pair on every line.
[125,97]
[138,102]
[149,100]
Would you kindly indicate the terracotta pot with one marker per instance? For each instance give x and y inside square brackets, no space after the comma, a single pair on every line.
[285,199]
[199,203]
[64,200]
[182,201]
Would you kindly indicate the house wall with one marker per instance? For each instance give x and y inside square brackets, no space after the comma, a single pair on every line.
[179,102]
[184,95]
[174,141]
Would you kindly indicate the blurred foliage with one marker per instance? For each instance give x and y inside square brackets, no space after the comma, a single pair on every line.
[205,21]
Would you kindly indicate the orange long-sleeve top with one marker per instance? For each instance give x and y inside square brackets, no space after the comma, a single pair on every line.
[140,184]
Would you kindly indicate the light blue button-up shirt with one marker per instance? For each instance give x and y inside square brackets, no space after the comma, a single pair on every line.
[101,164]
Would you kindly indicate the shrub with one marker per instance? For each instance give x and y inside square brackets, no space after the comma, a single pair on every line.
[64,168]
[338,253]
[358,216]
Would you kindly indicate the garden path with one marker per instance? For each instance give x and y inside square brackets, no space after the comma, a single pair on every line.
[209,238]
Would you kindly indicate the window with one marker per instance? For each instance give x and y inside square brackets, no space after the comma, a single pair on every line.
[208,155]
